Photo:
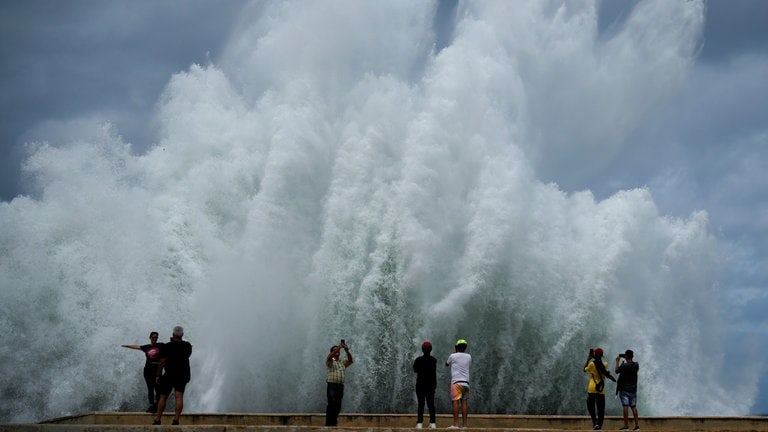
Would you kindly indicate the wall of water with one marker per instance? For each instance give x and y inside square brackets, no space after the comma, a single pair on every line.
[336,175]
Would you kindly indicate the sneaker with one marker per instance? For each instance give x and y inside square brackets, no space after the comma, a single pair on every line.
[636,428]
[625,428]
[175,422]
[155,422]
[453,427]
[418,425]
[432,426]
[595,427]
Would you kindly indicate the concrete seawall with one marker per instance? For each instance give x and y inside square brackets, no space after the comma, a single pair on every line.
[226,422]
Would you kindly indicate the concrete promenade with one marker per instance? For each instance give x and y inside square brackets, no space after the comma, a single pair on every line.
[242,422]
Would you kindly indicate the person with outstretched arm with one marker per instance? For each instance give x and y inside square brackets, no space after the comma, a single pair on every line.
[152,355]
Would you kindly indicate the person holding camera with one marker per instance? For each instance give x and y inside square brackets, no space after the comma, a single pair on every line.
[459,361]
[334,378]
[598,372]
[425,367]
[626,386]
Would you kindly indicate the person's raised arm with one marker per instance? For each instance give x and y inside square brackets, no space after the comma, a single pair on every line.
[136,347]
[349,360]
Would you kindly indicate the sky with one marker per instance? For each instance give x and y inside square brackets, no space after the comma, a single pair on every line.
[65,65]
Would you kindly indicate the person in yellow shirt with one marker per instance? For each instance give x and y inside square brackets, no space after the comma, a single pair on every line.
[598,372]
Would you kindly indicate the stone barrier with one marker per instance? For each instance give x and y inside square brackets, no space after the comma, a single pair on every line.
[227,422]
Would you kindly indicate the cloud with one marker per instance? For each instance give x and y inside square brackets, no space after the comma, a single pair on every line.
[61,62]
[734,28]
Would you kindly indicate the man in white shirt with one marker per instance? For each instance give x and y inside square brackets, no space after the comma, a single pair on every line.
[459,362]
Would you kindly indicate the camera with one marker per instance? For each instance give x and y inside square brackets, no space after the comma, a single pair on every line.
[343,342]
[621,355]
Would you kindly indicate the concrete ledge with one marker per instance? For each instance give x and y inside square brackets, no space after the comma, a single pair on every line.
[228,422]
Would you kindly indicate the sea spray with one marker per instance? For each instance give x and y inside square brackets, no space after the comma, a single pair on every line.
[335,176]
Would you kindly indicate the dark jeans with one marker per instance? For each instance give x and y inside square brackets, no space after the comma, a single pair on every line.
[429,397]
[596,400]
[334,392]
[153,392]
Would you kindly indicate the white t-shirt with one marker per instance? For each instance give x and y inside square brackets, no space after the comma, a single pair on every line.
[459,363]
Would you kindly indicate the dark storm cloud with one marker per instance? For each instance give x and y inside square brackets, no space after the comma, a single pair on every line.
[732,27]
[735,28]
[62,60]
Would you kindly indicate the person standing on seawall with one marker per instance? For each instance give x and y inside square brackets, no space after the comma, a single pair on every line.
[459,361]
[598,372]
[334,379]
[173,373]
[152,354]
[425,367]
[626,386]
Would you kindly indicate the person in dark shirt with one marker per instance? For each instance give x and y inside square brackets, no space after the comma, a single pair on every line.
[174,367]
[425,367]
[626,386]
[152,354]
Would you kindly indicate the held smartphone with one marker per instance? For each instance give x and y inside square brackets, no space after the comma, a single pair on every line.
[621,355]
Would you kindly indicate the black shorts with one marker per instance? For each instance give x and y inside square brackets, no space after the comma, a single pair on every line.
[168,383]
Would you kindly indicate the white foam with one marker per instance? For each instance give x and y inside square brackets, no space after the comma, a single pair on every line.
[353,183]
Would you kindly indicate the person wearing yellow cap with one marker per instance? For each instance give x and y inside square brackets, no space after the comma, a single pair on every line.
[459,361]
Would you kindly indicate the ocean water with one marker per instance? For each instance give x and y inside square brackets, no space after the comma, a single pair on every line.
[347,171]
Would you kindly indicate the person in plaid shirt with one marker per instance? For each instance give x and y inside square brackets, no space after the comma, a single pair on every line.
[335,381]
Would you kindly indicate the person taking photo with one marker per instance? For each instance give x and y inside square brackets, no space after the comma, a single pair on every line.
[626,386]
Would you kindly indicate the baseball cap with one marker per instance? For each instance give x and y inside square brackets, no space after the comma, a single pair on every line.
[427,344]
[598,352]
[461,342]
